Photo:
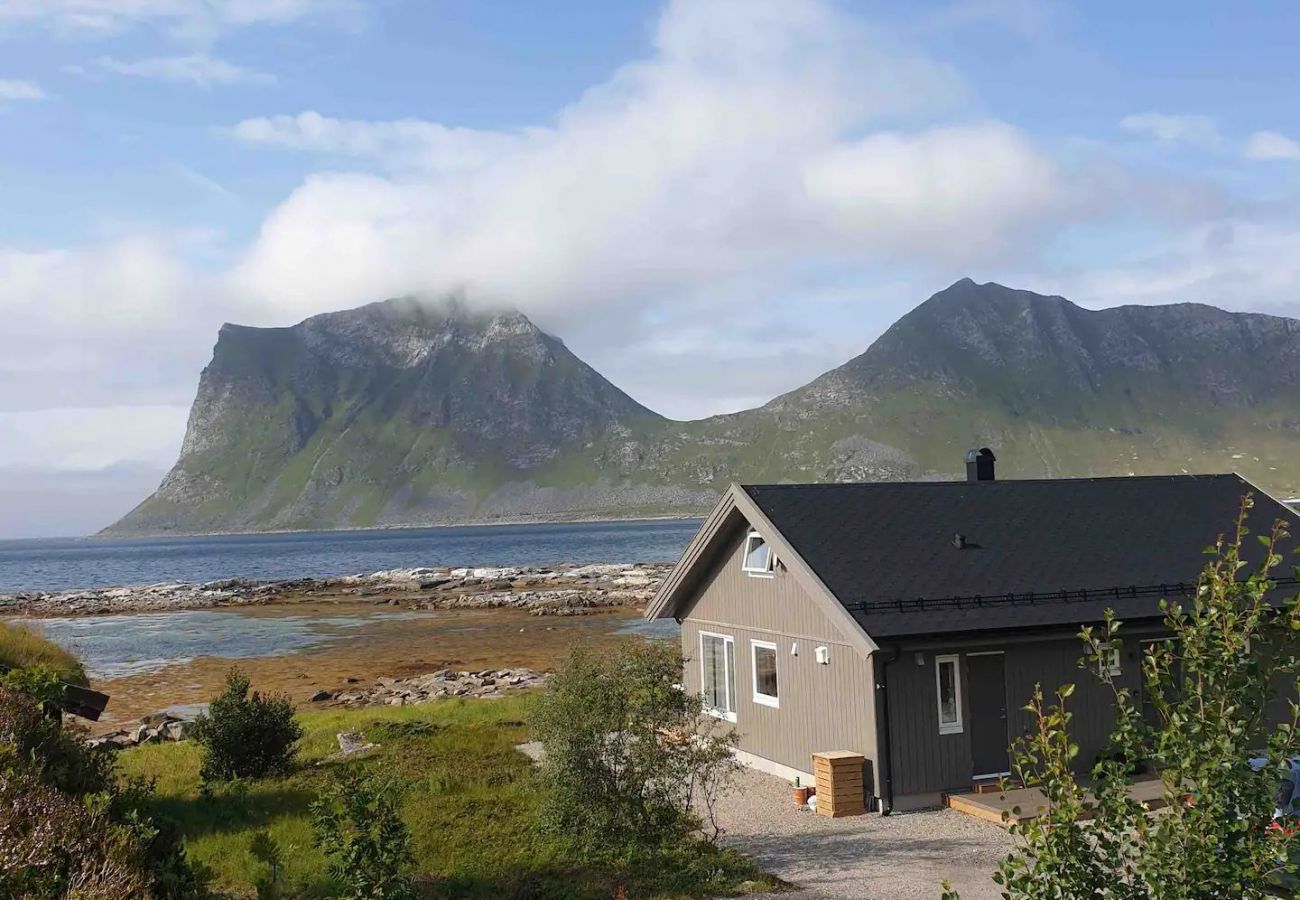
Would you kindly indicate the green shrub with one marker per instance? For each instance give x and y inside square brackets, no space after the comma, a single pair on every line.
[627,751]
[357,826]
[267,853]
[247,735]
[1210,693]
[68,827]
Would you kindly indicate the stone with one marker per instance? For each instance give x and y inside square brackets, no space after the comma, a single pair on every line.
[178,730]
[319,696]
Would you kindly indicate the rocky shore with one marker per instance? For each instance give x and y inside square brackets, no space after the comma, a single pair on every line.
[543,590]
[444,684]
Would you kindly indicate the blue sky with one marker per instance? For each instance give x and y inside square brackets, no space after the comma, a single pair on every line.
[737,194]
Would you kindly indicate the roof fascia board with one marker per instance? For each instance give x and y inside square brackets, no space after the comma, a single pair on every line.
[665,602]
[1256,489]
[803,573]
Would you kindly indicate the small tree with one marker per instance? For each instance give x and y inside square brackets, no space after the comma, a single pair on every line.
[630,756]
[1211,689]
[246,735]
[357,826]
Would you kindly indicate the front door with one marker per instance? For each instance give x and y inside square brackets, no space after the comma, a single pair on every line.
[986,674]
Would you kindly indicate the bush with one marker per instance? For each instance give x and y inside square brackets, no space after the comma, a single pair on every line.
[629,755]
[247,735]
[68,827]
[357,826]
[22,648]
[1210,692]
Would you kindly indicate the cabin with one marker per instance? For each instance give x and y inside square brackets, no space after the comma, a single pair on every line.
[910,621]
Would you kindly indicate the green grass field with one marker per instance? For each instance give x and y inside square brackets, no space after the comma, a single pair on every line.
[469,802]
[22,647]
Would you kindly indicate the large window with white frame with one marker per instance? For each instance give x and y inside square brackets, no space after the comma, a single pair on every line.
[718,674]
[759,560]
[763,660]
[947,677]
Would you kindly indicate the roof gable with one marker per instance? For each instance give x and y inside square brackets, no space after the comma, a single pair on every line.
[713,540]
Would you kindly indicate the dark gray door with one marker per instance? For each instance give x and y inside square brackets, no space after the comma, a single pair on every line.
[986,674]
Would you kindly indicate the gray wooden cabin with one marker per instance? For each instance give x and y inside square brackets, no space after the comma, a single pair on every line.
[909,622]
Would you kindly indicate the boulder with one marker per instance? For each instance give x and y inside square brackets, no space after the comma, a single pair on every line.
[321,695]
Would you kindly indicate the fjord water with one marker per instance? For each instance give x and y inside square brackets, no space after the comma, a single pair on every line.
[72,563]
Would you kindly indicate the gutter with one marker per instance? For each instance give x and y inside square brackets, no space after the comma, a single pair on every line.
[882,729]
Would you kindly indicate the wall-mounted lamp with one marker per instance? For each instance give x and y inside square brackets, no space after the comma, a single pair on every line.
[920,659]
[794,649]
[823,656]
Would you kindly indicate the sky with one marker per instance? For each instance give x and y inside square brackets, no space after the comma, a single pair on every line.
[711,201]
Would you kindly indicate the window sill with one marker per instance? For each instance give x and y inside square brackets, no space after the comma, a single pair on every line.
[950,729]
[764,700]
[756,573]
[722,714]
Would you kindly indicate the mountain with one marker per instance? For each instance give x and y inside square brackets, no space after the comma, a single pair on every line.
[407,412]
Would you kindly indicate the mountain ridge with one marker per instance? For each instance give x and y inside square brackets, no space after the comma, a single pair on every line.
[408,412]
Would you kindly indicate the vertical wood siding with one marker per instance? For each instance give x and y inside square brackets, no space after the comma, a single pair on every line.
[822,707]
[926,761]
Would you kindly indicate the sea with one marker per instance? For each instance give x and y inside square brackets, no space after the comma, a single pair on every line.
[74,563]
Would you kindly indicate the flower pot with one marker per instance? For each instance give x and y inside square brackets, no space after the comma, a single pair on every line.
[801,795]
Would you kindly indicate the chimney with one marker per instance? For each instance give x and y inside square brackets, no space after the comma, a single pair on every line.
[979,464]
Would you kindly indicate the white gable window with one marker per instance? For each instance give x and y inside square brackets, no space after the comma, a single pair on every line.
[759,559]
[763,657]
[718,674]
[947,676]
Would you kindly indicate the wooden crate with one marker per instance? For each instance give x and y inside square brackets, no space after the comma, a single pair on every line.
[840,787]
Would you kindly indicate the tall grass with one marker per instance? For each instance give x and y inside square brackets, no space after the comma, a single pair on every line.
[469,799]
[21,646]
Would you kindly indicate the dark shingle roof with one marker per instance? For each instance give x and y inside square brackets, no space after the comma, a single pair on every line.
[887,550]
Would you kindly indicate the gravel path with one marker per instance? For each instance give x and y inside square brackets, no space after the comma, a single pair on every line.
[871,857]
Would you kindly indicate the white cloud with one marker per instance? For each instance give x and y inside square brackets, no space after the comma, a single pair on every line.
[92,438]
[197,18]
[11,91]
[1232,264]
[1200,131]
[403,143]
[1270,145]
[748,143]
[198,69]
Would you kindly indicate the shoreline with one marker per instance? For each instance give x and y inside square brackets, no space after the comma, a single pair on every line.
[561,589]
[559,520]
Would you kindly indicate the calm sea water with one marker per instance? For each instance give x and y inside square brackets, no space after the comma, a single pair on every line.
[65,564]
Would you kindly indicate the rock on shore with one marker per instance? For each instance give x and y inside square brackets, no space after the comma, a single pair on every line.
[486,684]
[545,590]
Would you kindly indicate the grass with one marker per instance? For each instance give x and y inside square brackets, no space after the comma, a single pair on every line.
[22,647]
[469,800]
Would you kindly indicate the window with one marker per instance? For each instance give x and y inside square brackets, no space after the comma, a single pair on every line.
[764,658]
[718,674]
[947,675]
[759,559]
[1109,662]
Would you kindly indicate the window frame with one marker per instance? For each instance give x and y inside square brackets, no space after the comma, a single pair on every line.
[958,726]
[760,698]
[729,671]
[769,568]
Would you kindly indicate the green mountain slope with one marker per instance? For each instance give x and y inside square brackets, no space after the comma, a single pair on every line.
[405,413]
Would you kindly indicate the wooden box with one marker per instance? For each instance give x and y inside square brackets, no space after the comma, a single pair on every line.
[840,787]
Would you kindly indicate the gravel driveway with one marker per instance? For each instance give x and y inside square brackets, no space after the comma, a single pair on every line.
[906,855]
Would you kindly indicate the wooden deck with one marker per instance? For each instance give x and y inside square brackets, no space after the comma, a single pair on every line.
[1031,802]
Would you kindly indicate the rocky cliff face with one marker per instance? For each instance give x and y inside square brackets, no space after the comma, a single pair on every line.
[404,412]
